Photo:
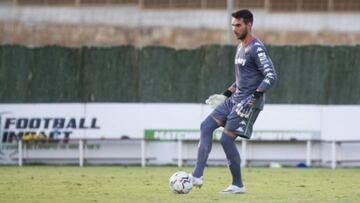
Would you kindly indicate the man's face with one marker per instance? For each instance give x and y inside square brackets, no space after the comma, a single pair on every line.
[240,29]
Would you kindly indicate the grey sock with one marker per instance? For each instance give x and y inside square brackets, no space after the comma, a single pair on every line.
[233,157]
[206,135]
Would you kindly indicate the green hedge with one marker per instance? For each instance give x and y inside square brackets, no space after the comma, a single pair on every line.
[306,74]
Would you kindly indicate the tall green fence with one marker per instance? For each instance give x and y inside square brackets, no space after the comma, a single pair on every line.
[306,74]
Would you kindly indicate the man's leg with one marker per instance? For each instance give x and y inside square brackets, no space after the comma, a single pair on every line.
[233,157]
[206,135]
[214,120]
[235,126]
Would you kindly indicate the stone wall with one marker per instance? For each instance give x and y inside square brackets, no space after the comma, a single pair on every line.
[107,35]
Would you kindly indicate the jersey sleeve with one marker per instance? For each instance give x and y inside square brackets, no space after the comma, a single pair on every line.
[265,66]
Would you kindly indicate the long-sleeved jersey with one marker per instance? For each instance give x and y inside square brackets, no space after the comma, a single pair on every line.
[253,70]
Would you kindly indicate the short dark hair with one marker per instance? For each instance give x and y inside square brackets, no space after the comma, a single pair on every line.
[245,14]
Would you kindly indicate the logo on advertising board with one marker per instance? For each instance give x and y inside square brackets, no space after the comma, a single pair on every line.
[174,134]
[13,128]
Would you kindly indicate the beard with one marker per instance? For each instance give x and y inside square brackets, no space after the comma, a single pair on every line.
[243,35]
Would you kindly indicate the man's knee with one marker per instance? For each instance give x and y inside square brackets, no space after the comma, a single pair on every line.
[229,147]
[230,134]
[226,138]
[203,125]
[209,124]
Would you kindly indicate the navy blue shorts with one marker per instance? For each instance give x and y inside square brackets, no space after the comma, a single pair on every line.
[232,122]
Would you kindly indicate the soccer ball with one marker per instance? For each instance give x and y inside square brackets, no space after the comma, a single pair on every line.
[180,183]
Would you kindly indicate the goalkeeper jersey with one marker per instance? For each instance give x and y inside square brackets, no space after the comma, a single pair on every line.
[253,70]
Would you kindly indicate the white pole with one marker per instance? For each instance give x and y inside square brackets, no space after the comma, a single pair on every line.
[308,153]
[179,147]
[333,154]
[229,7]
[143,148]
[20,153]
[243,153]
[81,153]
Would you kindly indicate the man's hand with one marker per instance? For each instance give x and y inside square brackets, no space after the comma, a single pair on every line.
[215,99]
[244,107]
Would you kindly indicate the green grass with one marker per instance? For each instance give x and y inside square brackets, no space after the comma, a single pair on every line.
[150,184]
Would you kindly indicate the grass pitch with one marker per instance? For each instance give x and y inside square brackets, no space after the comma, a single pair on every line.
[150,184]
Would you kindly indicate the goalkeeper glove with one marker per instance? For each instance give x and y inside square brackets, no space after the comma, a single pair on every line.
[216,99]
[244,107]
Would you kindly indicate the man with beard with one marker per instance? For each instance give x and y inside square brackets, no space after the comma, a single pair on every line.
[238,107]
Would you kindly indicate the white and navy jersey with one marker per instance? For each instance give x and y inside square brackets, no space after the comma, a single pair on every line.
[253,70]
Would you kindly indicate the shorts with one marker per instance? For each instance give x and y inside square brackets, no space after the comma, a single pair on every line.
[243,127]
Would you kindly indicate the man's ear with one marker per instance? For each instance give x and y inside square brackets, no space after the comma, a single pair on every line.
[249,25]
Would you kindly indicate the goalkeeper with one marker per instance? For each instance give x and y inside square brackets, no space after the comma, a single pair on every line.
[239,106]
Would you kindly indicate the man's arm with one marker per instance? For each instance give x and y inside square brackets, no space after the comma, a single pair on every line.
[265,66]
